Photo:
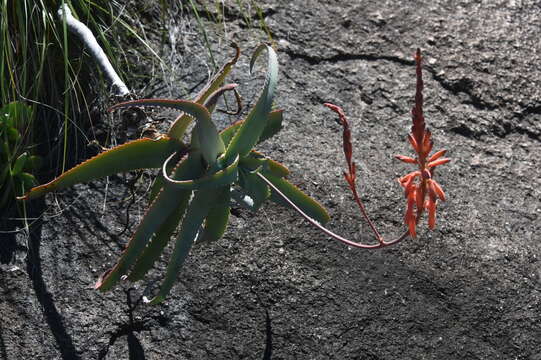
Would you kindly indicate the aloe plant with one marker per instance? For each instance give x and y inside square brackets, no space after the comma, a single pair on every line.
[195,194]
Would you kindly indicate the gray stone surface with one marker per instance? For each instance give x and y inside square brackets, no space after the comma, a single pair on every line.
[468,290]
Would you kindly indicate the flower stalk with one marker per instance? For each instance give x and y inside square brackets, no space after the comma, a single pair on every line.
[422,192]
[420,189]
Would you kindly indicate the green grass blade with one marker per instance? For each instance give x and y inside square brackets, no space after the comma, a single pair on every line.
[133,155]
[141,40]
[197,211]
[252,128]
[203,30]
[308,205]
[209,139]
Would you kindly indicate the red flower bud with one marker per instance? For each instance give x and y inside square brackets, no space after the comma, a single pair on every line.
[437,155]
[406,159]
[413,143]
[431,207]
[436,189]
[438,162]
[407,177]
[410,218]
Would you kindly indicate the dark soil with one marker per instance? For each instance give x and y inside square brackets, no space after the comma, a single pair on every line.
[273,287]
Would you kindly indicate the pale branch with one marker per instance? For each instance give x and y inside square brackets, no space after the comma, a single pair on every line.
[97,53]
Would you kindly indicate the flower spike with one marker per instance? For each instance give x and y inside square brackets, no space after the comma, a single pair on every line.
[420,189]
[421,141]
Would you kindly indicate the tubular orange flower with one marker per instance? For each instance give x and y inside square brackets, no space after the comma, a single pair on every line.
[438,162]
[416,191]
[437,155]
[436,189]
[431,208]
[406,159]
[420,189]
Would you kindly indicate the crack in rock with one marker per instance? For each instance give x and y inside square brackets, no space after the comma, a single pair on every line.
[464,86]
[341,56]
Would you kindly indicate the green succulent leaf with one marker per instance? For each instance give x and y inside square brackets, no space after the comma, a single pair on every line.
[208,137]
[19,164]
[272,127]
[217,218]
[198,210]
[256,160]
[252,128]
[159,182]
[133,155]
[214,180]
[28,180]
[308,205]
[187,168]
[180,125]
[159,211]
[34,163]
[255,188]
[16,114]
[154,249]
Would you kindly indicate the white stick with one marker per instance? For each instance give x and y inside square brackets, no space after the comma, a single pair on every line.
[86,36]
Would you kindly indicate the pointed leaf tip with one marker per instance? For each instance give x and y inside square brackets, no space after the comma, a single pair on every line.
[252,128]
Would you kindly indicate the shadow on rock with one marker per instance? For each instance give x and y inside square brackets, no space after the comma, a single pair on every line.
[267,355]
[8,239]
[3,352]
[33,264]
[135,349]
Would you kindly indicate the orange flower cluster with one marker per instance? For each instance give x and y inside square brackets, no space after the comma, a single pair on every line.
[421,190]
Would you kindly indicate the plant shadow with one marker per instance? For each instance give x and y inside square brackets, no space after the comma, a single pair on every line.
[33,266]
[135,349]
[267,355]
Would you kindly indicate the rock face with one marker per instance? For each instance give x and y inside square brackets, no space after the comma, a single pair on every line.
[273,287]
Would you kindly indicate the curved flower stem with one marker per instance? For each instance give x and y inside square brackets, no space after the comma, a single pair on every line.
[365,214]
[239,105]
[380,244]
[351,177]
